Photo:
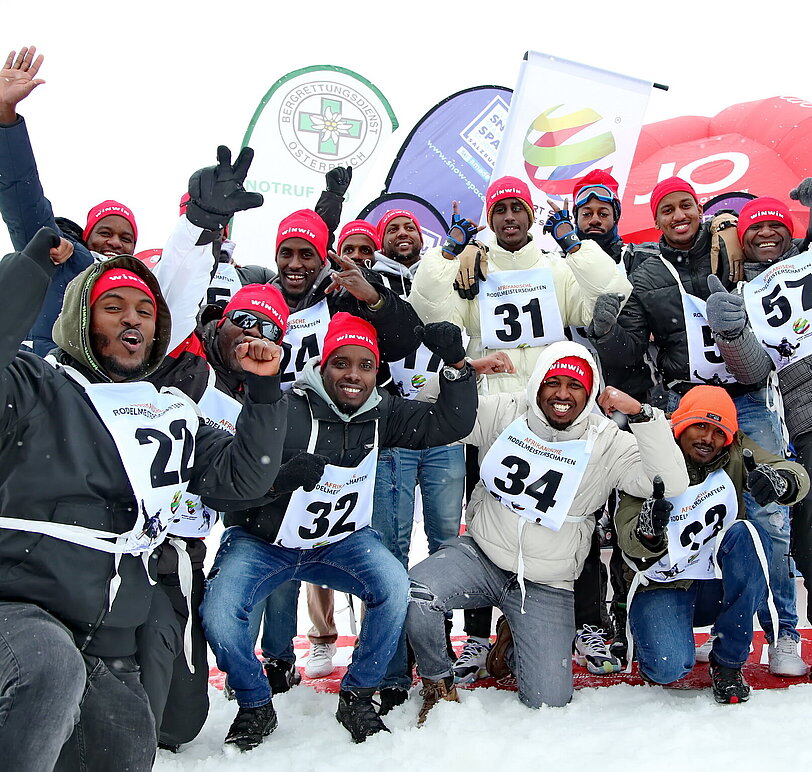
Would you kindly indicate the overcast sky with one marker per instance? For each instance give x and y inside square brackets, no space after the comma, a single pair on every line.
[139,95]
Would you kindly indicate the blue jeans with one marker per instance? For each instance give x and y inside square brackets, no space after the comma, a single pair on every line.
[763,427]
[247,569]
[440,472]
[279,612]
[662,619]
[459,575]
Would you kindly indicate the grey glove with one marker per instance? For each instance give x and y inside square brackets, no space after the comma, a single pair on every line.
[803,192]
[338,179]
[605,313]
[725,311]
[766,484]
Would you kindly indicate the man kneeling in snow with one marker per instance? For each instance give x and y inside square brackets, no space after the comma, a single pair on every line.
[698,563]
[547,463]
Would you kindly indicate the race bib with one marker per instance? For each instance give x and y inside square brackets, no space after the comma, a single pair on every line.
[779,306]
[705,362]
[696,519]
[304,339]
[534,478]
[223,285]
[410,374]
[518,309]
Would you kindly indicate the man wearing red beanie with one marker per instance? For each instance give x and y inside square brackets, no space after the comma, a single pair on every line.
[359,241]
[773,302]
[547,462]
[321,534]
[700,561]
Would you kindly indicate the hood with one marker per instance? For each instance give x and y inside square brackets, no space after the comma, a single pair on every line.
[310,380]
[387,265]
[72,328]
[536,420]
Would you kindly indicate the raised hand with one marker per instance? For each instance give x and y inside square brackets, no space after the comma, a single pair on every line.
[351,278]
[338,179]
[725,310]
[655,513]
[803,192]
[443,339]
[605,313]
[460,233]
[559,225]
[765,483]
[217,192]
[259,356]
[497,363]
[612,399]
[473,267]
[17,80]
[304,470]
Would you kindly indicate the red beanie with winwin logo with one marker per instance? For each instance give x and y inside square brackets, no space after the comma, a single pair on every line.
[575,367]
[348,330]
[113,279]
[509,187]
[305,224]
[264,299]
[106,209]
[764,209]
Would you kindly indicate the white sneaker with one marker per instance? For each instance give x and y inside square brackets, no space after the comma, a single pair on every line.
[784,658]
[591,651]
[320,661]
[703,651]
[470,665]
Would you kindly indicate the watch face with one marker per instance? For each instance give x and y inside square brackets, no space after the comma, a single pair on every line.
[451,373]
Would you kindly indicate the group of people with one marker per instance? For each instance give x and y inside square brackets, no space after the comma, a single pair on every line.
[149,394]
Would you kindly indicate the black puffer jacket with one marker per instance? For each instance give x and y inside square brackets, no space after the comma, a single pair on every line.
[654,310]
[61,465]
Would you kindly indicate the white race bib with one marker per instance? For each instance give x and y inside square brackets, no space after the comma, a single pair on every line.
[223,285]
[518,309]
[698,516]
[779,306]
[534,478]
[410,374]
[304,339]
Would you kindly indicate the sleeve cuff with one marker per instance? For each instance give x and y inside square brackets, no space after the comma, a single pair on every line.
[263,389]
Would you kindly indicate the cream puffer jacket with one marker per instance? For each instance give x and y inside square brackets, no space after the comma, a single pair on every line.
[579,279]
[619,459]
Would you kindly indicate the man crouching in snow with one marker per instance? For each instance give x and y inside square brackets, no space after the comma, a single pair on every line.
[698,563]
[547,462]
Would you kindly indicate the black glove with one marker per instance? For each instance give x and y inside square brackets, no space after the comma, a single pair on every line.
[459,235]
[443,339]
[765,483]
[654,514]
[217,192]
[41,244]
[338,179]
[304,470]
[558,223]
[725,310]
[803,192]
[605,313]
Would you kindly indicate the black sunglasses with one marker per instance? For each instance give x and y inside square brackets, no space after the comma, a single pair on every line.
[245,320]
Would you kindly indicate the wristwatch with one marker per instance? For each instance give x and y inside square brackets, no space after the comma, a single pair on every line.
[646,414]
[452,374]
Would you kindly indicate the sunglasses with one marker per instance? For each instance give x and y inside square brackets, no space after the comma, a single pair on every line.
[601,192]
[246,320]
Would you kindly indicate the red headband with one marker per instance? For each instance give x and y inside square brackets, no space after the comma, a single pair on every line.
[359,228]
[114,278]
[575,367]
[348,330]
[106,209]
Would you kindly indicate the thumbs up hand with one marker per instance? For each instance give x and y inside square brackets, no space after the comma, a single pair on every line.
[765,483]
[654,514]
[725,310]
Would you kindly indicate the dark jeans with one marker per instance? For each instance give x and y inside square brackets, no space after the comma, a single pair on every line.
[63,710]
[802,522]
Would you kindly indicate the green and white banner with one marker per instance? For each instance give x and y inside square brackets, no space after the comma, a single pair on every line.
[310,121]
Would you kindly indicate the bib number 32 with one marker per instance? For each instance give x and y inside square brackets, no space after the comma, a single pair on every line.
[332,519]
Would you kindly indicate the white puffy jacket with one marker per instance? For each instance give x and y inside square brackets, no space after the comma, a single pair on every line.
[618,460]
[578,279]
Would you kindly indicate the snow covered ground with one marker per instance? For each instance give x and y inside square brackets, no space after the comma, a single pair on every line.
[608,728]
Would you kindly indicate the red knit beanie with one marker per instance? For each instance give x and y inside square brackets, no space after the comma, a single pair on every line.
[670,185]
[509,187]
[115,278]
[305,224]
[360,228]
[264,299]
[105,209]
[348,330]
[706,404]
[391,215]
[575,367]
[764,209]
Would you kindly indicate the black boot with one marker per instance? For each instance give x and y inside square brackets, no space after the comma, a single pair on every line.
[357,714]
[729,686]
[281,675]
[251,726]
[391,697]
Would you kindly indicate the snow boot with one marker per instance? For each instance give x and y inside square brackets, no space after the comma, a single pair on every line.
[357,714]
[391,697]
[282,675]
[497,663]
[729,686]
[251,726]
[434,691]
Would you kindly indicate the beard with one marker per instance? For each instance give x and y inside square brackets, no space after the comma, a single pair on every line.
[114,367]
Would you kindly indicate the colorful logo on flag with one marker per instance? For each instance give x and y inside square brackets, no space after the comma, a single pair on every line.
[559,148]
[800,326]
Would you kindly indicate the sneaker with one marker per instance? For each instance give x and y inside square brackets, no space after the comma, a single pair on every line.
[702,653]
[784,658]
[729,686]
[591,651]
[281,675]
[357,714]
[391,697]
[251,726]
[496,663]
[434,691]
[470,665]
[320,661]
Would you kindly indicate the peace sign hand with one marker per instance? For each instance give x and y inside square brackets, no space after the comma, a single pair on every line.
[351,278]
